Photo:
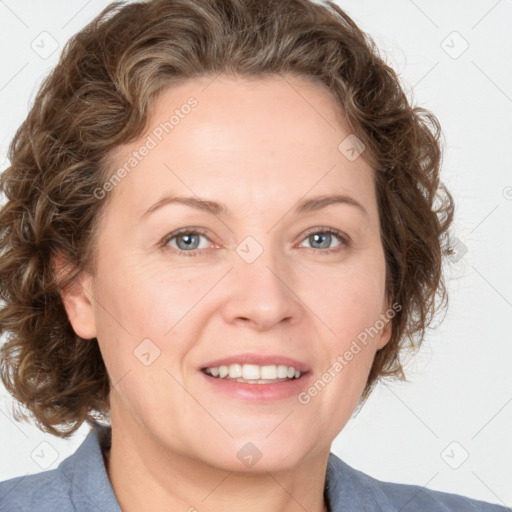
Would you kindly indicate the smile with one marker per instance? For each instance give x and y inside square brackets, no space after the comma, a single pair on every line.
[254,374]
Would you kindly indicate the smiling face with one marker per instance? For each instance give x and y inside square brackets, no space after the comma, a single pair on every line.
[264,272]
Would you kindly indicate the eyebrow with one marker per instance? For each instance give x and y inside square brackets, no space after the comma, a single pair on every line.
[215,208]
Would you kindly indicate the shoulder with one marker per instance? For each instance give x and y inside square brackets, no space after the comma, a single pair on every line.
[409,498]
[79,483]
[42,491]
[347,484]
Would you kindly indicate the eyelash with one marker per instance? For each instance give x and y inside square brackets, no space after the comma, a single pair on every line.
[344,239]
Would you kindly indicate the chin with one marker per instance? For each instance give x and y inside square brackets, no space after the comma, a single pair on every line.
[251,457]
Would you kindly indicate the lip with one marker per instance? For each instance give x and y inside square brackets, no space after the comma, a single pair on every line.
[258,392]
[260,360]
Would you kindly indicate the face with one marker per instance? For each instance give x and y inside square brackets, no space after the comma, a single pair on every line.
[267,276]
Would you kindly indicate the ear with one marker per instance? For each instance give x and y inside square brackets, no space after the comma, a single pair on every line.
[385,336]
[77,299]
[387,329]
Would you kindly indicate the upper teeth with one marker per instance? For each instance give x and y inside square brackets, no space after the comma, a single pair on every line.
[254,372]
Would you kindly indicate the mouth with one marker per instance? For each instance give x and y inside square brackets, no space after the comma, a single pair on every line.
[255,377]
[254,374]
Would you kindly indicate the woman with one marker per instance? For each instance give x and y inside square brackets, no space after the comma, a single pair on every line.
[219,234]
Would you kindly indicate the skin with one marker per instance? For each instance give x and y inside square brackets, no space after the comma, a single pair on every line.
[259,146]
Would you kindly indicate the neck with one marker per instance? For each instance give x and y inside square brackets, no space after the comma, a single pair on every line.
[147,477]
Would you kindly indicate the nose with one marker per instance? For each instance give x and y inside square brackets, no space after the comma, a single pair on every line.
[261,294]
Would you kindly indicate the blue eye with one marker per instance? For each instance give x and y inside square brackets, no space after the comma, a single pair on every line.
[322,239]
[187,242]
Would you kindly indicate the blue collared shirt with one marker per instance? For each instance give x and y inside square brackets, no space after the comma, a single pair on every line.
[80,484]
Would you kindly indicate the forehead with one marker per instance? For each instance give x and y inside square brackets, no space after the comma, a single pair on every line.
[246,140]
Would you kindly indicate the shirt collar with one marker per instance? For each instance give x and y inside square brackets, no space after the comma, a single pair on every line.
[85,474]
[349,489]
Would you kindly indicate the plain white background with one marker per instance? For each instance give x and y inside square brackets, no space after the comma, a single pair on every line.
[449,427]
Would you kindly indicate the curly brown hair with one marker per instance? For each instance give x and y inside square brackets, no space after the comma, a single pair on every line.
[99,97]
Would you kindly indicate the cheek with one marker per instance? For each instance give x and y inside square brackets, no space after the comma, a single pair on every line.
[351,304]
[134,293]
[349,299]
[137,302]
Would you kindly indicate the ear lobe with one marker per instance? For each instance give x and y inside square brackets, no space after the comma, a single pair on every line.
[77,299]
[385,335]
[387,330]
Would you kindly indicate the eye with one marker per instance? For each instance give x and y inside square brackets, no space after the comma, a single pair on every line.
[186,242]
[321,238]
